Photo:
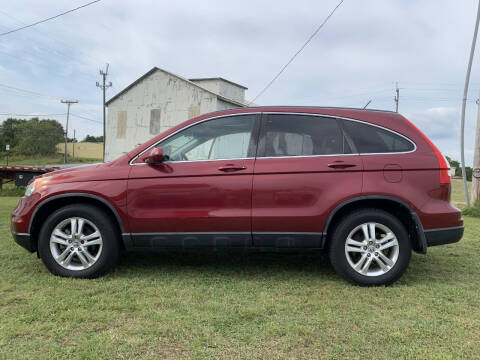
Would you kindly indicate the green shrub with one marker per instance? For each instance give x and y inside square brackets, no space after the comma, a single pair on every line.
[473,211]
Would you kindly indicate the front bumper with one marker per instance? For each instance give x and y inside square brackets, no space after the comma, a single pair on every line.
[20,225]
[24,240]
[443,236]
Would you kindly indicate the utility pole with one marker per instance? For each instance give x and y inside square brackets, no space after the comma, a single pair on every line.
[464,104]
[68,102]
[476,159]
[104,87]
[73,144]
[397,97]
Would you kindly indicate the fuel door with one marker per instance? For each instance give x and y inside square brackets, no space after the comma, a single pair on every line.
[392,173]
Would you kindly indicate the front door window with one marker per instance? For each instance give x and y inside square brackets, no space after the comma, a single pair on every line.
[218,139]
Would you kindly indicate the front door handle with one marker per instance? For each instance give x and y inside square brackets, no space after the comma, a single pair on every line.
[340,165]
[231,168]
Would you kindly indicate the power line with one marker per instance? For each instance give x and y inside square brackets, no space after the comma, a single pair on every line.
[50,37]
[434,99]
[50,18]
[298,52]
[60,114]
[85,118]
[431,89]
[11,114]
[29,91]
[358,94]
[22,95]
[21,59]
[38,31]
[89,113]
[48,49]
[82,74]
[458,85]
[53,51]
[421,99]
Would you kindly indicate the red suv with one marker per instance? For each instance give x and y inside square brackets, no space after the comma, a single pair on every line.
[366,186]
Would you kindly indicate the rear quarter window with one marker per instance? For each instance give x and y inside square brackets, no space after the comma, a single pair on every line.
[372,139]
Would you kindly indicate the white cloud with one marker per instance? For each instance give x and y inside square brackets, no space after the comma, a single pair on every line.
[442,125]
[438,123]
[359,55]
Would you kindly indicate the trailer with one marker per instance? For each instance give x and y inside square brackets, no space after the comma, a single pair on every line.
[21,175]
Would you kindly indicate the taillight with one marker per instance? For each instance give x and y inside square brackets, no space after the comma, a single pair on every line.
[443,164]
[444,168]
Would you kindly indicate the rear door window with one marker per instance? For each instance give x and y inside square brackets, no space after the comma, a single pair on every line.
[285,135]
[372,139]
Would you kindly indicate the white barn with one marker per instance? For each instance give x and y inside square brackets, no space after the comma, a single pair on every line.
[159,100]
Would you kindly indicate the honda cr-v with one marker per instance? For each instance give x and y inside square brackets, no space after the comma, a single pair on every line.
[366,186]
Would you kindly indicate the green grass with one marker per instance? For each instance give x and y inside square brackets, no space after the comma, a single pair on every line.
[458,198]
[239,306]
[9,189]
[42,160]
[458,192]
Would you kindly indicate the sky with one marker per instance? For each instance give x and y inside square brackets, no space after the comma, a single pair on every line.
[360,54]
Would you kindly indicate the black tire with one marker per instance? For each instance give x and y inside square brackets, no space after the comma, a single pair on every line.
[109,254]
[337,251]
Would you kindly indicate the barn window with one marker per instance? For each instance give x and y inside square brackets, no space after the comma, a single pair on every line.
[121,124]
[155,121]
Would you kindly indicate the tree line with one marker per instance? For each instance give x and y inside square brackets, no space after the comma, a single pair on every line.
[35,137]
[31,137]
[458,168]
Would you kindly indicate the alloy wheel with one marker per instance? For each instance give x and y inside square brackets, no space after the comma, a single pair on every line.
[76,243]
[372,249]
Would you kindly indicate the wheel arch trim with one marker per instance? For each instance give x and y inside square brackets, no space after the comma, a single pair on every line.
[78,195]
[421,239]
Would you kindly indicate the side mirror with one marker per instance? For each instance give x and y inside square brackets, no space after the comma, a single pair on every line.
[155,156]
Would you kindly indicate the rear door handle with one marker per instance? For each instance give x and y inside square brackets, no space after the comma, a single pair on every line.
[340,165]
[231,168]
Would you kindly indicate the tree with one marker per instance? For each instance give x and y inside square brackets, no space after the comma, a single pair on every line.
[453,163]
[95,139]
[468,173]
[39,137]
[458,169]
[9,132]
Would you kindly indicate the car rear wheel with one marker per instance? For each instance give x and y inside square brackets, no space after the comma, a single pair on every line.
[79,241]
[370,247]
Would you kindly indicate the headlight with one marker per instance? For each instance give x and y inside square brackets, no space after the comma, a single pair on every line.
[35,184]
[30,189]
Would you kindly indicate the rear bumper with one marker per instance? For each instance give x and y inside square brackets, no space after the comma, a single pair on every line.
[443,236]
[24,240]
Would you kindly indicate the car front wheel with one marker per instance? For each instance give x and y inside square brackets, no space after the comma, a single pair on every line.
[370,247]
[79,241]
